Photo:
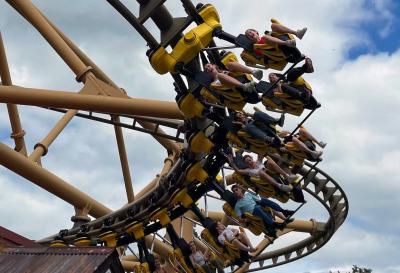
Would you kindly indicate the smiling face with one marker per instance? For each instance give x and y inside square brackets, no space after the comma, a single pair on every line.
[273,77]
[239,116]
[238,192]
[253,35]
[211,69]
[249,161]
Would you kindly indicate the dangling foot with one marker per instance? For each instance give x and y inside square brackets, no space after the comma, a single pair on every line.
[300,33]
[281,120]
[291,178]
[291,43]
[316,154]
[257,73]
[285,188]
[249,87]
[322,144]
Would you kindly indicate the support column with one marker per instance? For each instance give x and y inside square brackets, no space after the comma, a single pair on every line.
[17,131]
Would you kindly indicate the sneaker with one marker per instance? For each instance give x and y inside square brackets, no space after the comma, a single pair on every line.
[257,73]
[322,144]
[291,43]
[281,120]
[309,66]
[300,33]
[279,225]
[316,154]
[291,178]
[269,140]
[285,188]
[249,87]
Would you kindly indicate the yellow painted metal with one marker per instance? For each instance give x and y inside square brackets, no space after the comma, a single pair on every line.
[161,214]
[135,229]
[290,105]
[82,241]
[58,243]
[177,259]
[181,196]
[190,106]
[200,143]
[110,237]
[189,45]
[196,172]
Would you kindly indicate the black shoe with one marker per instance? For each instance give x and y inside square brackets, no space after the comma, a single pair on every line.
[287,213]
[280,225]
[289,220]
[281,120]
[271,232]
[269,140]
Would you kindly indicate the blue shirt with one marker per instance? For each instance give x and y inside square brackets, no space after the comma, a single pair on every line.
[246,204]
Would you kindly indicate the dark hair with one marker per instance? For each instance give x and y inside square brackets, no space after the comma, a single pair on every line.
[236,186]
[246,156]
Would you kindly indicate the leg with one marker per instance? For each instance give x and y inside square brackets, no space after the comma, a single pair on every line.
[244,239]
[264,117]
[264,202]
[295,73]
[254,131]
[304,133]
[274,40]
[267,178]
[282,29]
[228,80]
[280,215]
[275,167]
[266,217]
[240,245]
[304,148]
[238,67]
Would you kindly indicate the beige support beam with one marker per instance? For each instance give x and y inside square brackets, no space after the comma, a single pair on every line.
[124,162]
[24,167]
[69,100]
[17,131]
[41,148]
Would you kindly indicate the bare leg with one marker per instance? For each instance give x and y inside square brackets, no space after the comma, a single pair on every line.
[238,67]
[303,132]
[264,176]
[244,239]
[228,80]
[279,215]
[275,167]
[274,40]
[282,29]
[240,245]
[304,148]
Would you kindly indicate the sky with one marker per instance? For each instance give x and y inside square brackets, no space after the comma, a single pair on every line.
[354,45]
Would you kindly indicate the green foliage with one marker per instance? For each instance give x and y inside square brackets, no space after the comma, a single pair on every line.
[357,269]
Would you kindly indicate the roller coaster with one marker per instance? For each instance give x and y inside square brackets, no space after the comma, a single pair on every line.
[197,143]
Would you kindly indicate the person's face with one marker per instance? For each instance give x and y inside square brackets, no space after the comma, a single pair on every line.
[240,117]
[220,227]
[238,192]
[272,77]
[252,35]
[249,161]
[211,69]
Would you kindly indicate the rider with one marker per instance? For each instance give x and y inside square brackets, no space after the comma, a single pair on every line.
[234,236]
[294,85]
[254,36]
[260,125]
[247,202]
[258,169]
[221,77]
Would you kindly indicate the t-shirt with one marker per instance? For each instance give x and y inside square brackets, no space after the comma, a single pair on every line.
[227,234]
[198,258]
[254,171]
[259,51]
[246,204]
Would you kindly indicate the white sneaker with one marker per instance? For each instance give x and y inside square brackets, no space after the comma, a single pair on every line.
[291,43]
[291,178]
[285,188]
[249,87]
[257,73]
[300,33]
